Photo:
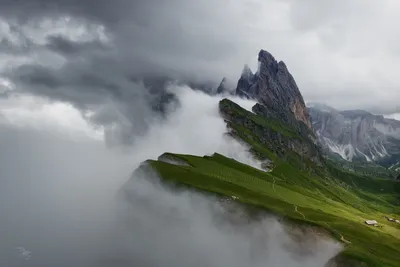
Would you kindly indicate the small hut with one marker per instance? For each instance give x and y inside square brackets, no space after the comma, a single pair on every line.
[371,222]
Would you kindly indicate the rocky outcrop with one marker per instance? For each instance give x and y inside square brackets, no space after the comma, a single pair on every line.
[278,138]
[222,87]
[274,87]
[357,135]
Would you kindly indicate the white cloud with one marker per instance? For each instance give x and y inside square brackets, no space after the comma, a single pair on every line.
[62,191]
[344,53]
[35,113]
[195,128]
[395,116]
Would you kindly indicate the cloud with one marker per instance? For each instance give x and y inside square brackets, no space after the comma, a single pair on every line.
[59,194]
[60,44]
[33,113]
[395,116]
[56,195]
[205,232]
[61,206]
[187,130]
[350,49]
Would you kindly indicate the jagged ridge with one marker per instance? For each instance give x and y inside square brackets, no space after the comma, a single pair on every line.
[357,135]
[273,86]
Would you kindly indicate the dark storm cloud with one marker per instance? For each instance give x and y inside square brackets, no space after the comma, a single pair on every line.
[24,45]
[123,106]
[67,47]
[337,51]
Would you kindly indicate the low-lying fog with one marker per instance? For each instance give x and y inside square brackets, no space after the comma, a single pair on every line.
[59,204]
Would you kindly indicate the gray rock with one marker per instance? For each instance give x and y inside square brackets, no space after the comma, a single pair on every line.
[274,87]
[222,88]
[357,135]
[277,140]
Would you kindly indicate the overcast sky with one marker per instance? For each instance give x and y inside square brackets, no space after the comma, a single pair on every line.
[64,63]
[344,53]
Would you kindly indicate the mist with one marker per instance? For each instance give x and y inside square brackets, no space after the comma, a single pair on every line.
[61,202]
[195,128]
[182,228]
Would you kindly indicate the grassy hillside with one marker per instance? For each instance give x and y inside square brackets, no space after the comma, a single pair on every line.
[340,206]
[298,188]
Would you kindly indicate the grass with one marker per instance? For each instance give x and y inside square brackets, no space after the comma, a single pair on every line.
[335,204]
[277,126]
[327,196]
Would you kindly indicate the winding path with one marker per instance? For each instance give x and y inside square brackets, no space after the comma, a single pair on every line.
[343,239]
[304,217]
[341,236]
[295,206]
[296,210]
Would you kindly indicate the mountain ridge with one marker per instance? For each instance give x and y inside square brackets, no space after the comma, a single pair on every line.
[357,135]
[299,183]
[274,87]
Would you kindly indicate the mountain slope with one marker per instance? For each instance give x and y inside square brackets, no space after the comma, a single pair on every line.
[269,138]
[298,183]
[357,135]
[339,206]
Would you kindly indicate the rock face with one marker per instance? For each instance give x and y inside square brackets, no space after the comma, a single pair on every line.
[279,138]
[357,135]
[274,87]
[222,87]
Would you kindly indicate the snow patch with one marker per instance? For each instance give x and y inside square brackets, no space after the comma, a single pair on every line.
[395,167]
[346,151]
[366,157]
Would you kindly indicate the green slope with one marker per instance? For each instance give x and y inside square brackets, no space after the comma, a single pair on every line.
[328,204]
[303,186]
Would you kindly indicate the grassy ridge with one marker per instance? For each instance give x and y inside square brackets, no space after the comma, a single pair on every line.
[297,188]
[299,197]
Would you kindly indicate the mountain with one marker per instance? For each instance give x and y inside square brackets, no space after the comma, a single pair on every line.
[222,88]
[279,103]
[357,135]
[275,88]
[296,182]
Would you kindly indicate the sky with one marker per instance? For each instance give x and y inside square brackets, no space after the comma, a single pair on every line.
[87,53]
[74,81]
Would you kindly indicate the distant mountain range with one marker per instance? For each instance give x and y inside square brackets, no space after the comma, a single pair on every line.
[357,135]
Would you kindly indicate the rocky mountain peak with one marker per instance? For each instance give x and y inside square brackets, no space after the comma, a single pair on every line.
[246,72]
[267,62]
[222,86]
[274,87]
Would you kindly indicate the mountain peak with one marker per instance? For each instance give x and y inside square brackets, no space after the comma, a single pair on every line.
[267,59]
[222,86]
[321,107]
[275,88]
[246,72]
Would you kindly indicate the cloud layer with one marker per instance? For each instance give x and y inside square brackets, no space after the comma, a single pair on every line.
[59,204]
[343,53]
[187,229]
